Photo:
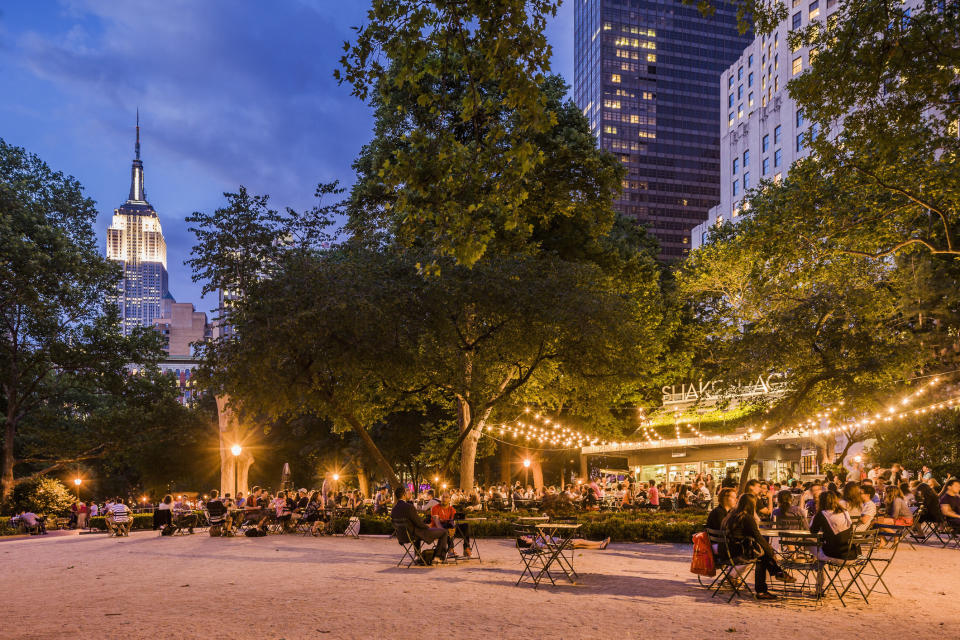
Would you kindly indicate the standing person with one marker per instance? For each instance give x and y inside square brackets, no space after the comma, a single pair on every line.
[729,481]
[653,496]
[926,473]
[746,542]
[81,515]
[711,485]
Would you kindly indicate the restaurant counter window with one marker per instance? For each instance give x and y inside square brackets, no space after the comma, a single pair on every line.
[808,461]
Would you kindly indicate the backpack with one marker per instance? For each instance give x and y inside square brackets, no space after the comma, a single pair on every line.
[215,531]
[167,530]
[254,533]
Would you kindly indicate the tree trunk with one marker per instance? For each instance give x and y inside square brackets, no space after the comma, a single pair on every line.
[536,466]
[752,449]
[363,481]
[234,470]
[373,450]
[6,479]
[505,471]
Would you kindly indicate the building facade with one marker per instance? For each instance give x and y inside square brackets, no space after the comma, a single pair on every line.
[763,131]
[135,240]
[183,326]
[646,78]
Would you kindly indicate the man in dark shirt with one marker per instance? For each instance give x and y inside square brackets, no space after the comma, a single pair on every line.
[727,499]
[405,511]
[950,502]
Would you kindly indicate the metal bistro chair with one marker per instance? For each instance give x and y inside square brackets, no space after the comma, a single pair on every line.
[534,556]
[892,535]
[730,573]
[412,551]
[847,573]
[799,554]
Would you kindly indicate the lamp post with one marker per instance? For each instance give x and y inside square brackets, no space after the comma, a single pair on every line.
[526,470]
[76,482]
[236,450]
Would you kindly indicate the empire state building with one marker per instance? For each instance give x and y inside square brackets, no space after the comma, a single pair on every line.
[135,240]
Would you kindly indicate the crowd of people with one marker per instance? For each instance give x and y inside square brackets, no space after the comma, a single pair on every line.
[831,507]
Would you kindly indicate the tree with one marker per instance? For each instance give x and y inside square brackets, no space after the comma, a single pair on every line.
[932,440]
[237,247]
[60,342]
[832,323]
[44,496]
[458,85]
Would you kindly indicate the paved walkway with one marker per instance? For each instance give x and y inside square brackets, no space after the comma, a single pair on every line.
[295,587]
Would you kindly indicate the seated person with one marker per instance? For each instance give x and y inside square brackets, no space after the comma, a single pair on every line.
[219,514]
[183,516]
[313,513]
[746,542]
[29,522]
[119,519]
[444,515]
[868,508]
[787,511]
[405,512]
[429,503]
[727,499]
[950,503]
[835,525]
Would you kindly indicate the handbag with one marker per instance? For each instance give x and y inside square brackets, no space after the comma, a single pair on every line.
[702,562]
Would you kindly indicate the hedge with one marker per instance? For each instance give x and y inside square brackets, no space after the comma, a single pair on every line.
[619,526]
[140,521]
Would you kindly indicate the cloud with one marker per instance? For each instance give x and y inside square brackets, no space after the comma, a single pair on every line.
[243,90]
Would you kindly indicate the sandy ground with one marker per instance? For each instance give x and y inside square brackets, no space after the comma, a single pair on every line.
[295,587]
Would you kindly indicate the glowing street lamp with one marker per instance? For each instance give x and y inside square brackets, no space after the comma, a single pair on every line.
[526,472]
[236,450]
[77,481]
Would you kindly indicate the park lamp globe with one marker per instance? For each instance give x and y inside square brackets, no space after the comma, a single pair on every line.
[526,462]
[236,450]
[77,481]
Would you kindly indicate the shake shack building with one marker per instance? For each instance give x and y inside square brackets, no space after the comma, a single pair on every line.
[702,429]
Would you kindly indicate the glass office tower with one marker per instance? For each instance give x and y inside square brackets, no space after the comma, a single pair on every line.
[647,77]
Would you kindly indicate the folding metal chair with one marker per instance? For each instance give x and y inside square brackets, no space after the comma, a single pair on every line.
[730,573]
[847,573]
[412,546]
[798,554]
[923,525]
[352,530]
[533,554]
[872,574]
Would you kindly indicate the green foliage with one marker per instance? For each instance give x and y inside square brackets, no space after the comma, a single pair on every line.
[63,358]
[932,440]
[140,521]
[458,85]
[620,527]
[44,496]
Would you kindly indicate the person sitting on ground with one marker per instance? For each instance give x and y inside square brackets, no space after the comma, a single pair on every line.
[119,519]
[950,502]
[727,499]
[444,515]
[405,512]
[745,542]
[219,512]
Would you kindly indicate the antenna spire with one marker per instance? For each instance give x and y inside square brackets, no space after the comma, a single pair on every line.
[137,147]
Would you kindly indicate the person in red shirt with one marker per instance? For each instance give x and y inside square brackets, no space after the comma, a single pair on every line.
[443,515]
[653,495]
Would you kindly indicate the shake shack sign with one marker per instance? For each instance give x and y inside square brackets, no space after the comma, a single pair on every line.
[715,391]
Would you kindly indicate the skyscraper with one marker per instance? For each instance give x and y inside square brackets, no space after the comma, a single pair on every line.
[135,239]
[647,77]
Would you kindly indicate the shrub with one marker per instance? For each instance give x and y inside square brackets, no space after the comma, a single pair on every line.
[43,496]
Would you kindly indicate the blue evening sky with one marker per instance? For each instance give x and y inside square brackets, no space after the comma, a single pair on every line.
[230,92]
